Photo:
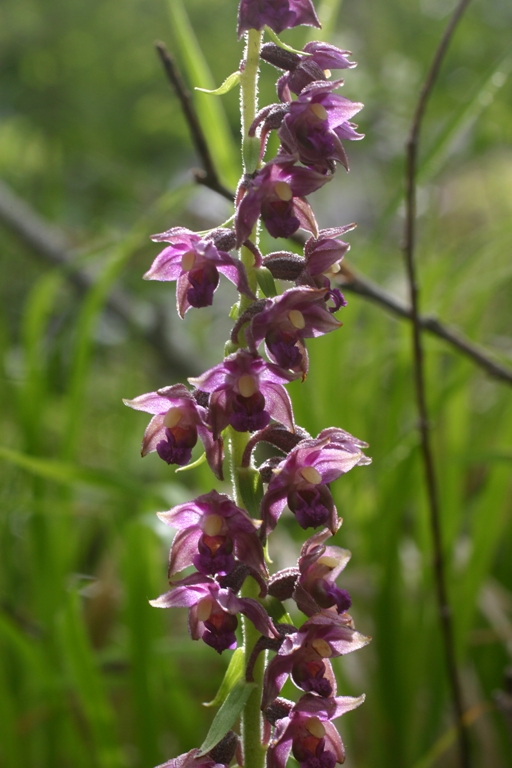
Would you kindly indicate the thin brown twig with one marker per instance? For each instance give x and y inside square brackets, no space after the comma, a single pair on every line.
[208,175]
[445,614]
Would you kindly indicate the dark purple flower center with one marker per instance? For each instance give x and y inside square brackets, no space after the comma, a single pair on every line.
[219,631]
[309,675]
[279,218]
[177,446]
[214,556]
[332,595]
[311,505]
[282,347]
[203,283]
[249,414]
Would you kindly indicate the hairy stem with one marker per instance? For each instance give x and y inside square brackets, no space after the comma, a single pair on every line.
[252,726]
[249,99]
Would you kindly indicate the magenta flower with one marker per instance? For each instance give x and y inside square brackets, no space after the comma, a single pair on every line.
[178,420]
[213,609]
[277,194]
[195,262]
[246,392]
[315,125]
[304,655]
[212,531]
[301,479]
[319,567]
[276,14]
[309,734]
[288,319]
[302,70]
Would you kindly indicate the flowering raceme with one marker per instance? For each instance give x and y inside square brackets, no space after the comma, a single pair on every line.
[218,560]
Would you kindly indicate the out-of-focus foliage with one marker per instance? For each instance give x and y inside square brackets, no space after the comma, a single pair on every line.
[93,139]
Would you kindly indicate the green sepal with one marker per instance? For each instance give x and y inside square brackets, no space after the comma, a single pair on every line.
[276,610]
[227,715]
[234,672]
[266,282]
[229,83]
[196,463]
[251,489]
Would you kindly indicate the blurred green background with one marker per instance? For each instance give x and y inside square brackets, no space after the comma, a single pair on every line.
[92,139]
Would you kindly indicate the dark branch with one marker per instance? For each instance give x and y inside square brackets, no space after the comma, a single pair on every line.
[445,614]
[362,286]
[208,175]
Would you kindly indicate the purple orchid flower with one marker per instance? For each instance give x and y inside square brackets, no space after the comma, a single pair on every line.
[323,256]
[213,609]
[288,319]
[246,392]
[319,567]
[301,479]
[195,262]
[277,194]
[315,125]
[315,64]
[304,655]
[212,531]
[276,14]
[309,734]
[192,759]
[178,420]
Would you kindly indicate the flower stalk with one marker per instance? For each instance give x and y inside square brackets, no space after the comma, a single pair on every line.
[243,401]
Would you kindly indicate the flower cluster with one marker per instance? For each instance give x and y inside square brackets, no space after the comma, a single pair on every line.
[243,401]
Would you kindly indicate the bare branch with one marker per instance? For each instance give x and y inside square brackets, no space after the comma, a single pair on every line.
[445,614]
[208,175]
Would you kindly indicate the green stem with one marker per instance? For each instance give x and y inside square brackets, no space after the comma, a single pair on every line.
[252,726]
[249,99]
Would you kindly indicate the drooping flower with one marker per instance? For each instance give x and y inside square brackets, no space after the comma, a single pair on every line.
[276,14]
[212,531]
[297,314]
[195,262]
[276,192]
[307,732]
[304,655]
[246,392]
[319,567]
[177,422]
[315,125]
[318,59]
[301,479]
[213,610]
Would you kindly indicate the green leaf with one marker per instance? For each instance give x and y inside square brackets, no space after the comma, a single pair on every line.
[229,83]
[227,715]
[233,674]
[277,40]
[266,282]
[196,463]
